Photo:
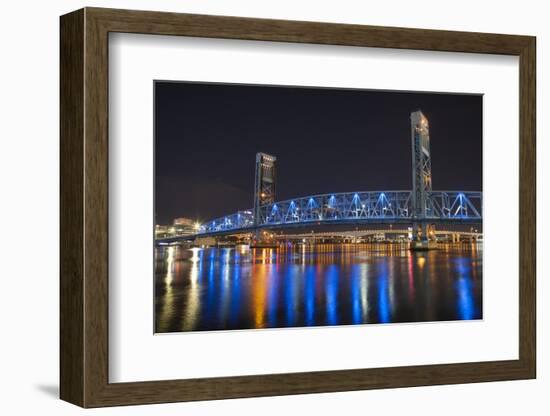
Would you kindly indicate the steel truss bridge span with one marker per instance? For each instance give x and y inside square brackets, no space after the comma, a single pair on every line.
[452,207]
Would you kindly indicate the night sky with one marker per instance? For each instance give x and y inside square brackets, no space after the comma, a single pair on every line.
[325,141]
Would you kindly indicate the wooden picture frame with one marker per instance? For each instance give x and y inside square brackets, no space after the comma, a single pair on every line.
[84,207]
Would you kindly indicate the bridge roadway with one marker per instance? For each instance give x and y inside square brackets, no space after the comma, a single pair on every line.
[367,233]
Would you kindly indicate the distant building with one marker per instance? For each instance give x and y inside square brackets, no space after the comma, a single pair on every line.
[184,221]
[162,231]
[180,227]
[184,226]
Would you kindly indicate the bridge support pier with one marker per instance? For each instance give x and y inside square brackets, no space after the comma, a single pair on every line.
[263,239]
[206,241]
[423,237]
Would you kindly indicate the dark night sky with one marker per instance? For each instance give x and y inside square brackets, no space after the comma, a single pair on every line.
[325,141]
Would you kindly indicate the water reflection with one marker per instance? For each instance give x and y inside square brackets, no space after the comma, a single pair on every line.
[384,313]
[228,288]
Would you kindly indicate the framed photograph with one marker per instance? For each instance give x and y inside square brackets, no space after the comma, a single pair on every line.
[256,207]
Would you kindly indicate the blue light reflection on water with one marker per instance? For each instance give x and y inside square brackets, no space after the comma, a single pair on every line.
[309,295]
[383,295]
[216,289]
[331,291]
[465,303]
[236,291]
[356,294]
[291,280]
[211,286]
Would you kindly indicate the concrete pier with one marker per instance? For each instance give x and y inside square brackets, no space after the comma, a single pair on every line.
[423,245]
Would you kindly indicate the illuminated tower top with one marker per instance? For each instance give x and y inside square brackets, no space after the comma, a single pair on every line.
[265,181]
[421,163]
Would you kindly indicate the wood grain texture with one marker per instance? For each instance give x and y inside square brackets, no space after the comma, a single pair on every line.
[527,208]
[71,100]
[96,219]
[84,202]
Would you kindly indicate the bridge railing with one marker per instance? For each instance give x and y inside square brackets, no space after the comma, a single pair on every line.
[351,206]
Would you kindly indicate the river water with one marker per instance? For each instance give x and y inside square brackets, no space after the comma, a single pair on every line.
[314,285]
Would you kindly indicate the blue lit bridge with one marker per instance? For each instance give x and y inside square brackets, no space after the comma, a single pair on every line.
[422,207]
[379,207]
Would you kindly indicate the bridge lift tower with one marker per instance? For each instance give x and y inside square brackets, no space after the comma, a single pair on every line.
[422,181]
[264,184]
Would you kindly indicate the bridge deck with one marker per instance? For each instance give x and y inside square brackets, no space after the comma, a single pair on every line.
[379,207]
[351,208]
